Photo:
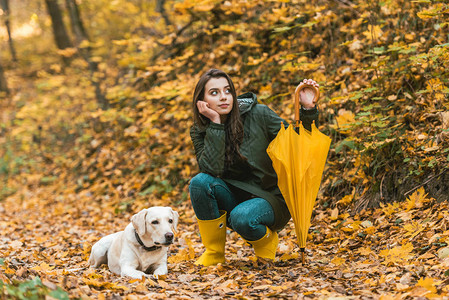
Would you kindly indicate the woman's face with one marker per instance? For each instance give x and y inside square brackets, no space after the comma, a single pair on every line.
[217,93]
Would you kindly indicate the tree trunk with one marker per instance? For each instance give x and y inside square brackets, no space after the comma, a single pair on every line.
[60,33]
[5,7]
[3,84]
[75,20]
[80,34]
[161,9]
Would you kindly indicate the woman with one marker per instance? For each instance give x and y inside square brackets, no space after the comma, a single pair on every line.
[237,186]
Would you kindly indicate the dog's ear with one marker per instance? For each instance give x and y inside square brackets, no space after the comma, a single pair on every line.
[139,222]
[175,220]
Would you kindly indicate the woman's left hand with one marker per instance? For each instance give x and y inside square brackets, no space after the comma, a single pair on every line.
[307,95]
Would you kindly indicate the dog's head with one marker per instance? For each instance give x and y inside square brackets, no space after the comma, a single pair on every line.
[156,225]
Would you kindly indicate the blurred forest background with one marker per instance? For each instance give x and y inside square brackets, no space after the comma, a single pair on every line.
[95,96]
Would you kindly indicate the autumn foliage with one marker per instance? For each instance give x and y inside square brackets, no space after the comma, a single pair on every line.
[74,167]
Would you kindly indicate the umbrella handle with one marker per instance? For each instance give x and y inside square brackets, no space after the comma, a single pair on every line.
[299,88]
[303,256]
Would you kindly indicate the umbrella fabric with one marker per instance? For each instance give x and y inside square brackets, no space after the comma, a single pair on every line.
[299,160]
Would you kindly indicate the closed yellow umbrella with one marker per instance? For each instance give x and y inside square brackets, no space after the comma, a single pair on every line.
[298,158]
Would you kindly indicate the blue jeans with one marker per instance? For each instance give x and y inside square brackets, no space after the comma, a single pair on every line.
[248,216]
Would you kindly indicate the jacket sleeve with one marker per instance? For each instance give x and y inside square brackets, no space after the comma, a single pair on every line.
[307,117]
[209,148]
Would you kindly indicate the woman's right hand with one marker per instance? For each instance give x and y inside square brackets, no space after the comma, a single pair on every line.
[307,95]
[205,110]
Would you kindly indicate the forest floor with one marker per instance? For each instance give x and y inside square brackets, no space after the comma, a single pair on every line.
[398,251]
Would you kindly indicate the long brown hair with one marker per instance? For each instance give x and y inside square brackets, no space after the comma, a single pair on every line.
[233,123]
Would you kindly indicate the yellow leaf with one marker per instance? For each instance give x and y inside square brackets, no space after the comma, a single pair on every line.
[164,284]
[410,37]
[338,100]
[365,251]
[185,254]
[428,284]
[338,261]
[86,43]
[413,229]
[105,285]
[187,170]
[167,40]
[390,209]
[117,42]
[43,267]
[229,28]
[435,84]
[427,14]
[334,214]
[141,280]
[10,271]
[370,230]
[67,52]
[416,199]
[141,288]
[392,97]
[94,275]
[344,119]
[374,33]
[346,200]
[397,254]
[289,256]
[230,285]
[204,8]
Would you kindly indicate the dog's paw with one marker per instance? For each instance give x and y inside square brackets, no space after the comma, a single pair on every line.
[160,269]
[159,277]
[160,273]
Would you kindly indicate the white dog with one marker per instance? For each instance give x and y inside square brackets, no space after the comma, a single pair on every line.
[142,247]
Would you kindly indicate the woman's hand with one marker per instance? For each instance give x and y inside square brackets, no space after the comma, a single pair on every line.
[307,95]
[212,115]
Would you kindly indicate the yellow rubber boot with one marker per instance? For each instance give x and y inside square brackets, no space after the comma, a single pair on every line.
[267,245]
[213,235]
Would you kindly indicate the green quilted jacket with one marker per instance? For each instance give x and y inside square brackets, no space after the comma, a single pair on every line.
[256,176]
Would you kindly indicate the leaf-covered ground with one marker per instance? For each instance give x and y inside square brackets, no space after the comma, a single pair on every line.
[73,170]
[398,251]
